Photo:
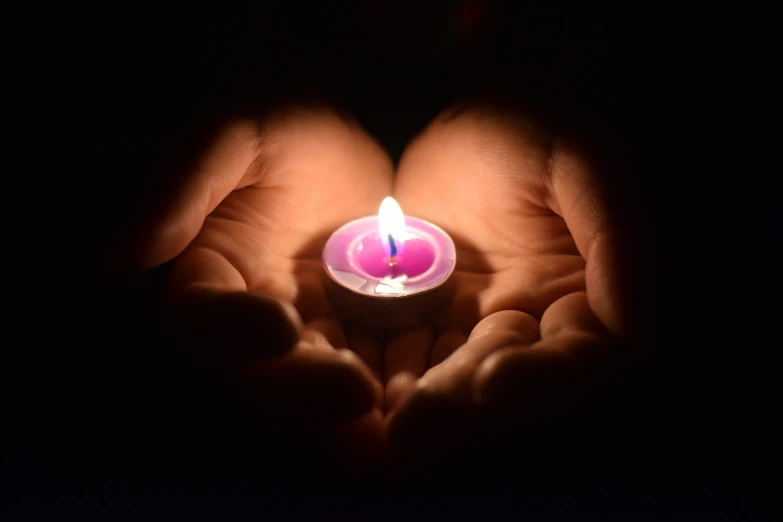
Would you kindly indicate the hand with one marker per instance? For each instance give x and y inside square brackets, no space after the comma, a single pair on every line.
[540,290]
[247,226]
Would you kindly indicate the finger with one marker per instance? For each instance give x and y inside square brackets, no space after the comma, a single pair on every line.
[211,312]
[575,351]
[446,344]
[405,360]
[428,426]
[368,346]
[440,410]
[540,380]
[572,318]
[601,234]
[569,315]
[224,166]
[233,328]
[545,377]
[454,376]
[315,383]
[522,324]
[324,331]
[362,442]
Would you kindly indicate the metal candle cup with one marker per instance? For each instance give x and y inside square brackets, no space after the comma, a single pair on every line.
[384,270]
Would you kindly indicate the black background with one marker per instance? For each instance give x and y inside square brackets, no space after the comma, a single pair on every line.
[102,419]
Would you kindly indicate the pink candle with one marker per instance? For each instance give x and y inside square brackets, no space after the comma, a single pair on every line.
[389,255]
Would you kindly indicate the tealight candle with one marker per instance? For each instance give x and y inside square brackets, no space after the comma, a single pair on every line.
[389,257]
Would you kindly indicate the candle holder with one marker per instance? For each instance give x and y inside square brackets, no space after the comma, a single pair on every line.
[389,270]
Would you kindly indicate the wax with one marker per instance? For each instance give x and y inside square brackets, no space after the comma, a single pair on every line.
[357,258]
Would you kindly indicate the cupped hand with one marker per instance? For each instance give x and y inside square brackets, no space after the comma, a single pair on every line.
[540,288]
[246,227]
[539,291]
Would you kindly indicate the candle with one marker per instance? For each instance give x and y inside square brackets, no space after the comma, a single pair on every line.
[390,257]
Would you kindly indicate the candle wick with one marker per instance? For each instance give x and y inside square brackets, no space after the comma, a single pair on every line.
[393,247]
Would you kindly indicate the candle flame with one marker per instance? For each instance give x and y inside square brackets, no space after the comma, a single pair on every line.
[391,225]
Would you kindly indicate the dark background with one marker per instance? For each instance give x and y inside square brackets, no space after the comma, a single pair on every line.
[103,418]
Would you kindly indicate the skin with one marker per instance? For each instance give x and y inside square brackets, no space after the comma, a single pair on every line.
[245,229]
[541,296]
[537,292]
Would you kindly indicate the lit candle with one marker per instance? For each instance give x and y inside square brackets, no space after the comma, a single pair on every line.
[389,256]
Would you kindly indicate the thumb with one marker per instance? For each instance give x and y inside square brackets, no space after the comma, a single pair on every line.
[602,227]
[166,231]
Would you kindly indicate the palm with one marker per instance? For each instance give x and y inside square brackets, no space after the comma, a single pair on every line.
[526,303]
[308,172]
[514,252]
[268,234]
